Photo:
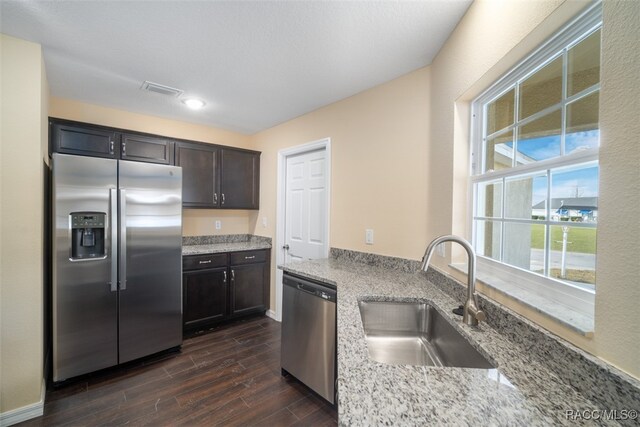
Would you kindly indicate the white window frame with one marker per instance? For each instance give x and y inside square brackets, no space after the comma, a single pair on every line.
[575,297]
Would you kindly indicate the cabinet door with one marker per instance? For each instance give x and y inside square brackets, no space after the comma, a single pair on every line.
[240,178]
[205,296]
[199,174]
[85,141]
[146,149]
[247,288]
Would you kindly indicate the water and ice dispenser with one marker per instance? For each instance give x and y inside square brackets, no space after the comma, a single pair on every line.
[87,235]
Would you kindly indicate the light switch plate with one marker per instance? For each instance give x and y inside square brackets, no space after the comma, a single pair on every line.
[368,236]
[440,250]
[264,221]
[218,224]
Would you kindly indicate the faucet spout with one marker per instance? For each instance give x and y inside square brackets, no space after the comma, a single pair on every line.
[471,314]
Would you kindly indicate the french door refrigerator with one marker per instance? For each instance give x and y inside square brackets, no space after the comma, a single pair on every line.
[117,267]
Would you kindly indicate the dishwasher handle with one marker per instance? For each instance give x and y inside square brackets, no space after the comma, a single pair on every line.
[316,289]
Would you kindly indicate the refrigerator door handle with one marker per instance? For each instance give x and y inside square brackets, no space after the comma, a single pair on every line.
[113,223]
[123,239]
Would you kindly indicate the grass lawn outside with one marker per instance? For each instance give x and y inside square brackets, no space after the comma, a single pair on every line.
[582,240]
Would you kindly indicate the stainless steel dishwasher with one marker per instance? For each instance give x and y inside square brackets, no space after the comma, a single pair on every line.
[309,334]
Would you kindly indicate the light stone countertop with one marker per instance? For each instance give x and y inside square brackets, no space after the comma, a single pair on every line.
[522,391]
[214,248]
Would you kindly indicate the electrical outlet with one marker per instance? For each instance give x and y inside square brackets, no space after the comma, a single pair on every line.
[264,221]
[440,250]
[218,224]
[368,236]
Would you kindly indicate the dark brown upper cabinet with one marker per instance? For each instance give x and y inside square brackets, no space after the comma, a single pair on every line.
[218,177]
[84,140]
[200,184]
[99,141]
[213,176]
[146,149]
[239,179]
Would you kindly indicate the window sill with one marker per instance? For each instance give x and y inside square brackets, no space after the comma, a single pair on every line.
[581,321]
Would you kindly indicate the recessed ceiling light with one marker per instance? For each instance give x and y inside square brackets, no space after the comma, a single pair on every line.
[193,103]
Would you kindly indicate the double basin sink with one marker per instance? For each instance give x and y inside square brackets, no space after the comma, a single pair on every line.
[416,333]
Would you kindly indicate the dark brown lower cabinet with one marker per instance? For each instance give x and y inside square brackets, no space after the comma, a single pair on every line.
[246,297]
[218,287]
[205,296]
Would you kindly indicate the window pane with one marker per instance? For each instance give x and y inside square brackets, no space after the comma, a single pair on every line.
[582,124]
[540,139]
[499,152]
[526,197]
[574,194]
[573,254]
[542,90]
[489,199]
[583,66]
[524,246]
[488,239]
[500,112]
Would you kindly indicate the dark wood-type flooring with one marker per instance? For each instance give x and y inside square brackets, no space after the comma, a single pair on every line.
[228,376]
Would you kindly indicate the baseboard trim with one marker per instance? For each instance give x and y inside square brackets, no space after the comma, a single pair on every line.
[271,314]
[24,413]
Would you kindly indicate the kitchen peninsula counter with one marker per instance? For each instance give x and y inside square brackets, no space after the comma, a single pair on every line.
[526,388]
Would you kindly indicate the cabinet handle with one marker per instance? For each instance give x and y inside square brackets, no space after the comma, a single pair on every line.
[224,279]
[250,257]
[215,198]
[233,276]
[124,148]
[223,198]
[205,262]
[111,146]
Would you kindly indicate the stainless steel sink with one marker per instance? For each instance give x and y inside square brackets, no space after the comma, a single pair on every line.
[415,333]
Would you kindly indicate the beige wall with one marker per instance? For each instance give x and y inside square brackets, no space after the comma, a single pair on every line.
[618,286]
[195,221]
[200,222]
[23,135]
[379,143]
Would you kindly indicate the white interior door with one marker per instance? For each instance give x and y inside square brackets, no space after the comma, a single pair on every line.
[306,203]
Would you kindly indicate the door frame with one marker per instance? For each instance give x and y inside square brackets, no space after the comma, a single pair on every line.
[321,144]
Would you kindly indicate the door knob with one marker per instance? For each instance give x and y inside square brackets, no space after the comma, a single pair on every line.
[286,247]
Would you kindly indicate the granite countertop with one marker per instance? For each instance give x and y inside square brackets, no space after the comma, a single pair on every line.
[521,391]
[197,245]
[214,248]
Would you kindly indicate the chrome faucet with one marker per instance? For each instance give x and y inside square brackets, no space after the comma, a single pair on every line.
[471,313]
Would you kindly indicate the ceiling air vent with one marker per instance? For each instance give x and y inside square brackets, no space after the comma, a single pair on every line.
[161,89]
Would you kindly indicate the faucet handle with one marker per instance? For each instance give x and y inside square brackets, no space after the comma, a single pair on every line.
[472,315]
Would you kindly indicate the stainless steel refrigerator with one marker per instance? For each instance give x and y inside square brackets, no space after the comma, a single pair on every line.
[117,262]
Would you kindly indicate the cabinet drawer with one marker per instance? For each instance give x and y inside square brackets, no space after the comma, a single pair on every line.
[247,257]
[199,262]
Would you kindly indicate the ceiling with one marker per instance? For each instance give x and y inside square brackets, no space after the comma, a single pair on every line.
[255,63]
